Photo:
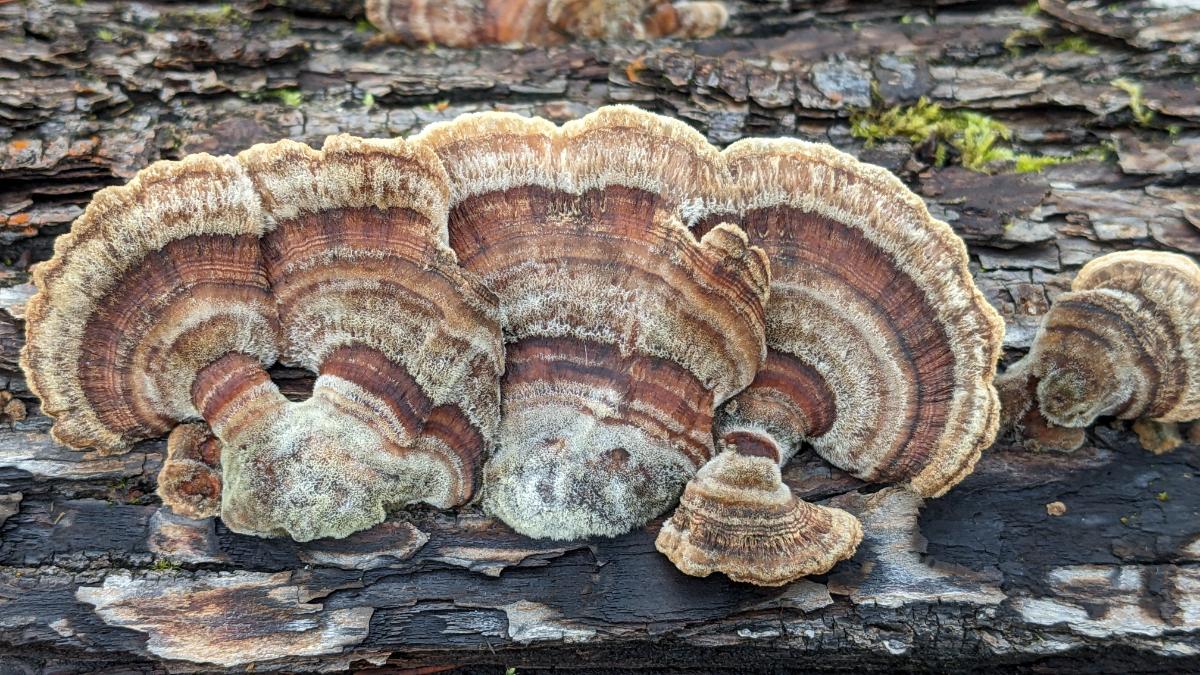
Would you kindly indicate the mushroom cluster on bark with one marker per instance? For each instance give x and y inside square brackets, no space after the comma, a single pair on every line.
[471,23]
[585,322]
[623,330]
[881,357]
[1124,342]
[171,296]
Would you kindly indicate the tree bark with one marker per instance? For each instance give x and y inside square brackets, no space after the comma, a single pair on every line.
[1035,561]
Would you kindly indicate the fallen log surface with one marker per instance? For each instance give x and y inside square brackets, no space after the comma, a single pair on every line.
[1036,561]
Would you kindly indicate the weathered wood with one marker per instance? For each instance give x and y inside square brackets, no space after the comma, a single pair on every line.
[94,575]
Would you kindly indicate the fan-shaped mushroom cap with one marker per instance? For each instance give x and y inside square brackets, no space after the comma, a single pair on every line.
[738,517]
[157,279]
[470,23]
[882,350]
[337,260]
[406,344]
[624,331]
[1125,341]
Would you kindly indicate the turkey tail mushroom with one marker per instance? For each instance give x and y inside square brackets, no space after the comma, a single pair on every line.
[881,355]
[189,482]
[155,281]
[738,517]
[471,23]
[1125,341]
[406,345]
[624,331]
[171,295]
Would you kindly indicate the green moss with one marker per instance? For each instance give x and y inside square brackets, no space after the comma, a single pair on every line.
[105,35]
[363,26]
[1031,8]
[1141,114]
[282,29]
[1012,42]
[974,136]
[289,97]
[224,15]
[939,154]
[1023,163]
[978,140]
[1075,44]
[164,564]
[914,122]
[368,100]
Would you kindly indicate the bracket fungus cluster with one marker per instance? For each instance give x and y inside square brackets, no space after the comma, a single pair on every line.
[471,23]
[172,294]
[589,319]
[624,331]
[881,357]
[1125,342]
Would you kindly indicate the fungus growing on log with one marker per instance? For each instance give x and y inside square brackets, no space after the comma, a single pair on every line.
[624,331]
[471,23]
[171,295]
[881,356]
[189,482]
[738,517]
[607,281]
[1125,341]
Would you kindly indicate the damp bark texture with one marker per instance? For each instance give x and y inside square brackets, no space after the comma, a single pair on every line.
[1034,561]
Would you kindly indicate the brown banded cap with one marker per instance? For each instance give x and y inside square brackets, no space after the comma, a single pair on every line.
[624,330]
[472,23]
[1125,341]
[171,295]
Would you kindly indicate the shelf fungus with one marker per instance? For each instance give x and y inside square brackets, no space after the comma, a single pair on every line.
[1125,342]
[881,356]
[624,330]
[471,23]
[558,316]
[171,296]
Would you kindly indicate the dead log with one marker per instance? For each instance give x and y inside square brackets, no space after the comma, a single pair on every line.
[1034,562]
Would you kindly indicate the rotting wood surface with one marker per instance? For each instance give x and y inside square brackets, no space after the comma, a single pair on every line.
[94,575]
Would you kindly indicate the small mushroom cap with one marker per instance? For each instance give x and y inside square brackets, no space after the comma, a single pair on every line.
[623,329]
[1158,437]
[882,350]
[738,517]
[1168,288]
[1125,341]
[1018,391]
[189,482]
